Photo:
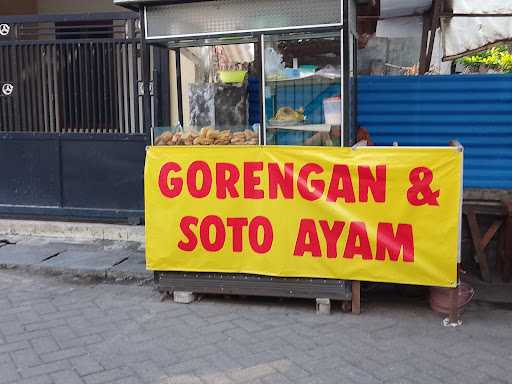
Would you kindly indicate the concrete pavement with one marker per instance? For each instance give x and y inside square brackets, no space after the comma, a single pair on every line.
[72,230]
[100,259]
[53,331]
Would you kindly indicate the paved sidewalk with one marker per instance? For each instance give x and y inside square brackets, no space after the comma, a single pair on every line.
[72,230]
[55,331]
[70,323]
[100,259]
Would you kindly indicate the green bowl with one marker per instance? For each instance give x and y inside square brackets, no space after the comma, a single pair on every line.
[229,77]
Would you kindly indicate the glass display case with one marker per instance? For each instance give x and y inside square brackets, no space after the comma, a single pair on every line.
[255,72]
[213,87]
[303,89]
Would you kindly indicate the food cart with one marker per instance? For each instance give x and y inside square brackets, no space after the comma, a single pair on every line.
[253,72]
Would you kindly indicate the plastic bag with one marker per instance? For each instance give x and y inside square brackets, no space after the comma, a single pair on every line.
[274,65]
[329,72]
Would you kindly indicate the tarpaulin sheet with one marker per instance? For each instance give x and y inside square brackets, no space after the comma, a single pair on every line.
[463,35]
[392,8]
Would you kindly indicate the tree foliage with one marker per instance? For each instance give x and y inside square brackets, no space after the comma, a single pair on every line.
[498,58]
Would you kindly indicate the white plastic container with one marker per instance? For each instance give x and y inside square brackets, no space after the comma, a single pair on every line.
[332,110]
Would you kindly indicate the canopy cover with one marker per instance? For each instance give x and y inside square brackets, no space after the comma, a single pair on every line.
[464,35]
[393,8]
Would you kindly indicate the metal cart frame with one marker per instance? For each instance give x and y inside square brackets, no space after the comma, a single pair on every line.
[243,284]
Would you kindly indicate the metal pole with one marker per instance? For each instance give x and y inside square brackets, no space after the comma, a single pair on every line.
[454,313]
[345,75]
[263,120]
[179,85]
[453,319]
[146,101]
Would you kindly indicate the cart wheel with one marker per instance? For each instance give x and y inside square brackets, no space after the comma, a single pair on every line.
[346,306]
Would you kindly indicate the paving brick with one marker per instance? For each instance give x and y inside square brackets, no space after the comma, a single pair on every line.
[186,366]
[45,369]
[276,378]
[11,328]
[193,321]
[80,341]
[8,373]
[85,365]
[66,377]
[16,309]
[222,318]
[25,358]
[394,371]
[26,317]
[44,379]
[495,371]
[216,378]
[44,344]
[217,327]
[252,373]
[107,376]
[5,358]
[148,371]
[44,308]
[249,325]
[27,336]
[11,347]
[181,379]
[289,369]
[63,354]
[45,325]
[66,314]
[130,380]
[62,333]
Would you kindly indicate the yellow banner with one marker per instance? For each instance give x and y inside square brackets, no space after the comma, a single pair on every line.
[370,214]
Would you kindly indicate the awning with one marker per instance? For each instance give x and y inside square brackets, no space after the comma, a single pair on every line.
[464,33]
[393,8]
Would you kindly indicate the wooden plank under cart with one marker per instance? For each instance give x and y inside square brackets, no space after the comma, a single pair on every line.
[257,285]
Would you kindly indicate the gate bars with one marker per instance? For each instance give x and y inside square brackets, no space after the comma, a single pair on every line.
[71,73]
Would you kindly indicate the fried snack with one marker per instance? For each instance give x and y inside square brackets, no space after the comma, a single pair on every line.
[289,114]
[208,136]
[158,141]
[238,140]
[239,135]
[188,141]
[164,138]
[250,134]
[202,141]
[176,138]
[203,132]
[212,134]
[224,135]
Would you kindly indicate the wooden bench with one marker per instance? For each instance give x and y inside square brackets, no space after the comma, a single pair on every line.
[502,215]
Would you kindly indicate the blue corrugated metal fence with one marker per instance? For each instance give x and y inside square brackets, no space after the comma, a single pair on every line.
[431,110]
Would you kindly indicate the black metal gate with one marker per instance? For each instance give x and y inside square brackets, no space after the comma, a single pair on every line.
[72,136]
